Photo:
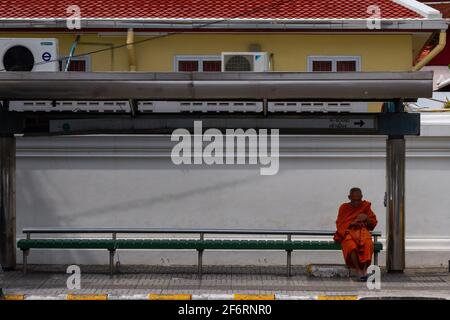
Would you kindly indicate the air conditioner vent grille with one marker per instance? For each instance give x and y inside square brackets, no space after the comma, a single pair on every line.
[239,63]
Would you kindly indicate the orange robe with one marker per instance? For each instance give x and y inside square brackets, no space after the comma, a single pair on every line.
[355,238]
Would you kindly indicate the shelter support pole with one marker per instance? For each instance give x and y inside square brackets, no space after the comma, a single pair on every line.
[395,204]
[8,202]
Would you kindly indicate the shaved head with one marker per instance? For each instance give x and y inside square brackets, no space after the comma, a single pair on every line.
[355,196]
[355,190]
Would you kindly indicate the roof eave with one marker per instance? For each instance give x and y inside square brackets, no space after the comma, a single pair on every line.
[420,8]
[211,24]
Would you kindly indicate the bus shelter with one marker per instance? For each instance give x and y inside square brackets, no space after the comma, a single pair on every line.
[391,88]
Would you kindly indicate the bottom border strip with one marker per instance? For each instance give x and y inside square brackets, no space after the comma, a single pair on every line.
[214,296]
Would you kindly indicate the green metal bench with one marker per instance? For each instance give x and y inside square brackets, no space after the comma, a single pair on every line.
[112,244]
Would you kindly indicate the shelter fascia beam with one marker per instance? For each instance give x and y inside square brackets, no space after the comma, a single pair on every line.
[345,124]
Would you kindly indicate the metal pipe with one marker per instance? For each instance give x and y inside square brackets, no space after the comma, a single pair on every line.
[375,253]
[395,187]
[289,253]
[346,86]
[433,53]
[112,254]
[8,202]
[200,256]
[71,52]
[111,261]
[200,262]
[183,230]
[25,260]
[131,50]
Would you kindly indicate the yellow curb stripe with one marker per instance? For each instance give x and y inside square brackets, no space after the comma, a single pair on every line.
[87,297]
[15,297]
[348,297]
[170,296]
[238,296]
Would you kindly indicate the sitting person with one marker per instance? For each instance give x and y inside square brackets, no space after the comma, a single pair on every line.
[354,222]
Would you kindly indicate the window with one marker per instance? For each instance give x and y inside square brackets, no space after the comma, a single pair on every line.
[322,66]
[77,64]
[186,65]
[334,64]
[198,64]
[212,65]
[346,66]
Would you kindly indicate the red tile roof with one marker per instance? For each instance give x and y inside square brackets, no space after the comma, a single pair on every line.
[204,9]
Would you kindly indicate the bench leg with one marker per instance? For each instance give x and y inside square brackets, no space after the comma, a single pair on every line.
[25,260]
[200,262]
[288,262]
[111,261]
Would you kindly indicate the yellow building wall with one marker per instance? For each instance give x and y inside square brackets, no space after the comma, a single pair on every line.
[391,52]
[378,52]
[290,51]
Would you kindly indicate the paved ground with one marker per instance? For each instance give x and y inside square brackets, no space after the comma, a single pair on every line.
[50,280]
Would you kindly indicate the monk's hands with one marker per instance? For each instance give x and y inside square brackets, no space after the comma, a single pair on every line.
[362,218]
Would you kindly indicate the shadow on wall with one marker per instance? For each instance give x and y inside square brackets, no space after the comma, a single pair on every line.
[31,201]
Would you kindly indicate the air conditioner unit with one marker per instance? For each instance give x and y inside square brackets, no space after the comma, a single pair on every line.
[29,54]
[245,61]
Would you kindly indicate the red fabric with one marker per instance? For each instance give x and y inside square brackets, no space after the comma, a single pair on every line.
[355,238]
[197,9]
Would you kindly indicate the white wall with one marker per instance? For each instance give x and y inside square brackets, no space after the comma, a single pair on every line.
[130,181]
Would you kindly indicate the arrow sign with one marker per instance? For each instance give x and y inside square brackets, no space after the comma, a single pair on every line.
[360,122]
[346,122]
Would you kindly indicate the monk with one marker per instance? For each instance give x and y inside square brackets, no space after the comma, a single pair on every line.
[354,222]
